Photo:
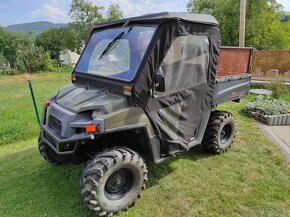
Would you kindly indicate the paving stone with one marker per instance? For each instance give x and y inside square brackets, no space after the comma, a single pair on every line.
[261,91]
[279,135]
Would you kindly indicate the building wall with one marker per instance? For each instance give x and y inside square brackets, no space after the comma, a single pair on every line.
[68,57]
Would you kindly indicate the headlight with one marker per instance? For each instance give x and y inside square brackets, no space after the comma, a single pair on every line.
[96,113]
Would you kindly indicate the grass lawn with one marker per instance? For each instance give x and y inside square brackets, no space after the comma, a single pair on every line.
[17,116]
[252,179]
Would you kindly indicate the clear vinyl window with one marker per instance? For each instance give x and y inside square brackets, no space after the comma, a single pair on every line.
[118,60]
[116,52]
[185,64]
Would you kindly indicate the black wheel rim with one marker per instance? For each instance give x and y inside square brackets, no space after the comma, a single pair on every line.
[118,184]
[225,134]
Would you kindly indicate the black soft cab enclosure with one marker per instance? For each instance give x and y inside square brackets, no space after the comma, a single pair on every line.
[184,52]
[173,79]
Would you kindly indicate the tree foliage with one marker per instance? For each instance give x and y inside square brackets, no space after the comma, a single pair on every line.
[264,30]
[19,52]
[34,59]
[23,52]
[56,40]
[285,16]
[85,15]
[10,43]
[114,12]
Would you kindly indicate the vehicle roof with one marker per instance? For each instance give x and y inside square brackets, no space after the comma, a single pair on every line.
[195,18]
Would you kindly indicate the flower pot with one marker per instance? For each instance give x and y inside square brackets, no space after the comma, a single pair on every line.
[275,120]
[284,118]
[279,120]
[269,120]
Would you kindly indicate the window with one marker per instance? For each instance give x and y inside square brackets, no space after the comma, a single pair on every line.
[185,64]
[118,60]
[122,59]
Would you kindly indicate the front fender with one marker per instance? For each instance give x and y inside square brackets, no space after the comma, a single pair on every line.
[129,118]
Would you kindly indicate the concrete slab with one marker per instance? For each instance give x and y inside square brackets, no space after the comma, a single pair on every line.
[261,92]
[280,135]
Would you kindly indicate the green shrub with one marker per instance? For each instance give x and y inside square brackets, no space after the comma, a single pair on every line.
[49,64]
[277,87]
[67,69]
[31,59]
[262,106]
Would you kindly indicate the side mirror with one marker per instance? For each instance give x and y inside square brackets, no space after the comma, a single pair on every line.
[159,83]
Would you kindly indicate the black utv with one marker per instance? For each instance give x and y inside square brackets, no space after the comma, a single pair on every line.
[144,88]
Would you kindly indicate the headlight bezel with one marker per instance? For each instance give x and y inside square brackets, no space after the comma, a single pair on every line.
[97,113]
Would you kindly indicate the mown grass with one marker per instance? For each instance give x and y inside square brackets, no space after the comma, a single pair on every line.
[252,179]
[17,117]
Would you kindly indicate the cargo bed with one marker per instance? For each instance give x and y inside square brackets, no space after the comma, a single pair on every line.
[234,74]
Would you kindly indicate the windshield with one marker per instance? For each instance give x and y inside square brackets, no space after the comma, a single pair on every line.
[116,52]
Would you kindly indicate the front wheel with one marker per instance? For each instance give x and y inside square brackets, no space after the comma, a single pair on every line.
[113,180]
[220,132]
[48,154]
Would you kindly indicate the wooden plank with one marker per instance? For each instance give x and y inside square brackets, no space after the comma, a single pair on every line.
[234,61]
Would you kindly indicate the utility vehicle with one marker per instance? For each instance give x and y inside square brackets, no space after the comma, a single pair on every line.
[144,88]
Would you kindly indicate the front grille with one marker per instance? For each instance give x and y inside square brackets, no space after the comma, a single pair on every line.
[54,124]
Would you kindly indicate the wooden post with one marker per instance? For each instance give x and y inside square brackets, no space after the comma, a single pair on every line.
[243,4]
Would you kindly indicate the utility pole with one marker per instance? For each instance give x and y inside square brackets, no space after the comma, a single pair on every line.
[243,4]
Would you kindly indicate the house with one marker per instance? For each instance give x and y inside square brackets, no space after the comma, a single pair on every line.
[68,57]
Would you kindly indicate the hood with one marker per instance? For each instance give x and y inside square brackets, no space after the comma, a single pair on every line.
[78,99]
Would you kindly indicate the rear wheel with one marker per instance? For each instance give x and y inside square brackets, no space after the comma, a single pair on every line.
[48,154]
[220,132]
[113,180]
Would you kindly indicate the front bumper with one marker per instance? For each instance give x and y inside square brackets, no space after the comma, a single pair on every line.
[64,143]
[62,146]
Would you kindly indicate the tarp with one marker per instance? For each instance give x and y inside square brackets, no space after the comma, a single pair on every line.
[185,52]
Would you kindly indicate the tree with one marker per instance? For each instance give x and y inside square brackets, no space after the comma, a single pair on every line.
[56,40]
[11,43]
[114,12]
[32,59]
[85,16]
[285,16]
[2,58]
[19,51]
[1,39]
[263,27]
[3,61]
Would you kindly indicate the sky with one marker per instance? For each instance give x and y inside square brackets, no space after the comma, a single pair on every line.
[56,11]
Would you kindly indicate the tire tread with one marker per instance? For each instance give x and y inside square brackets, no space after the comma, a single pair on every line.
[210,141]
[101,164]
